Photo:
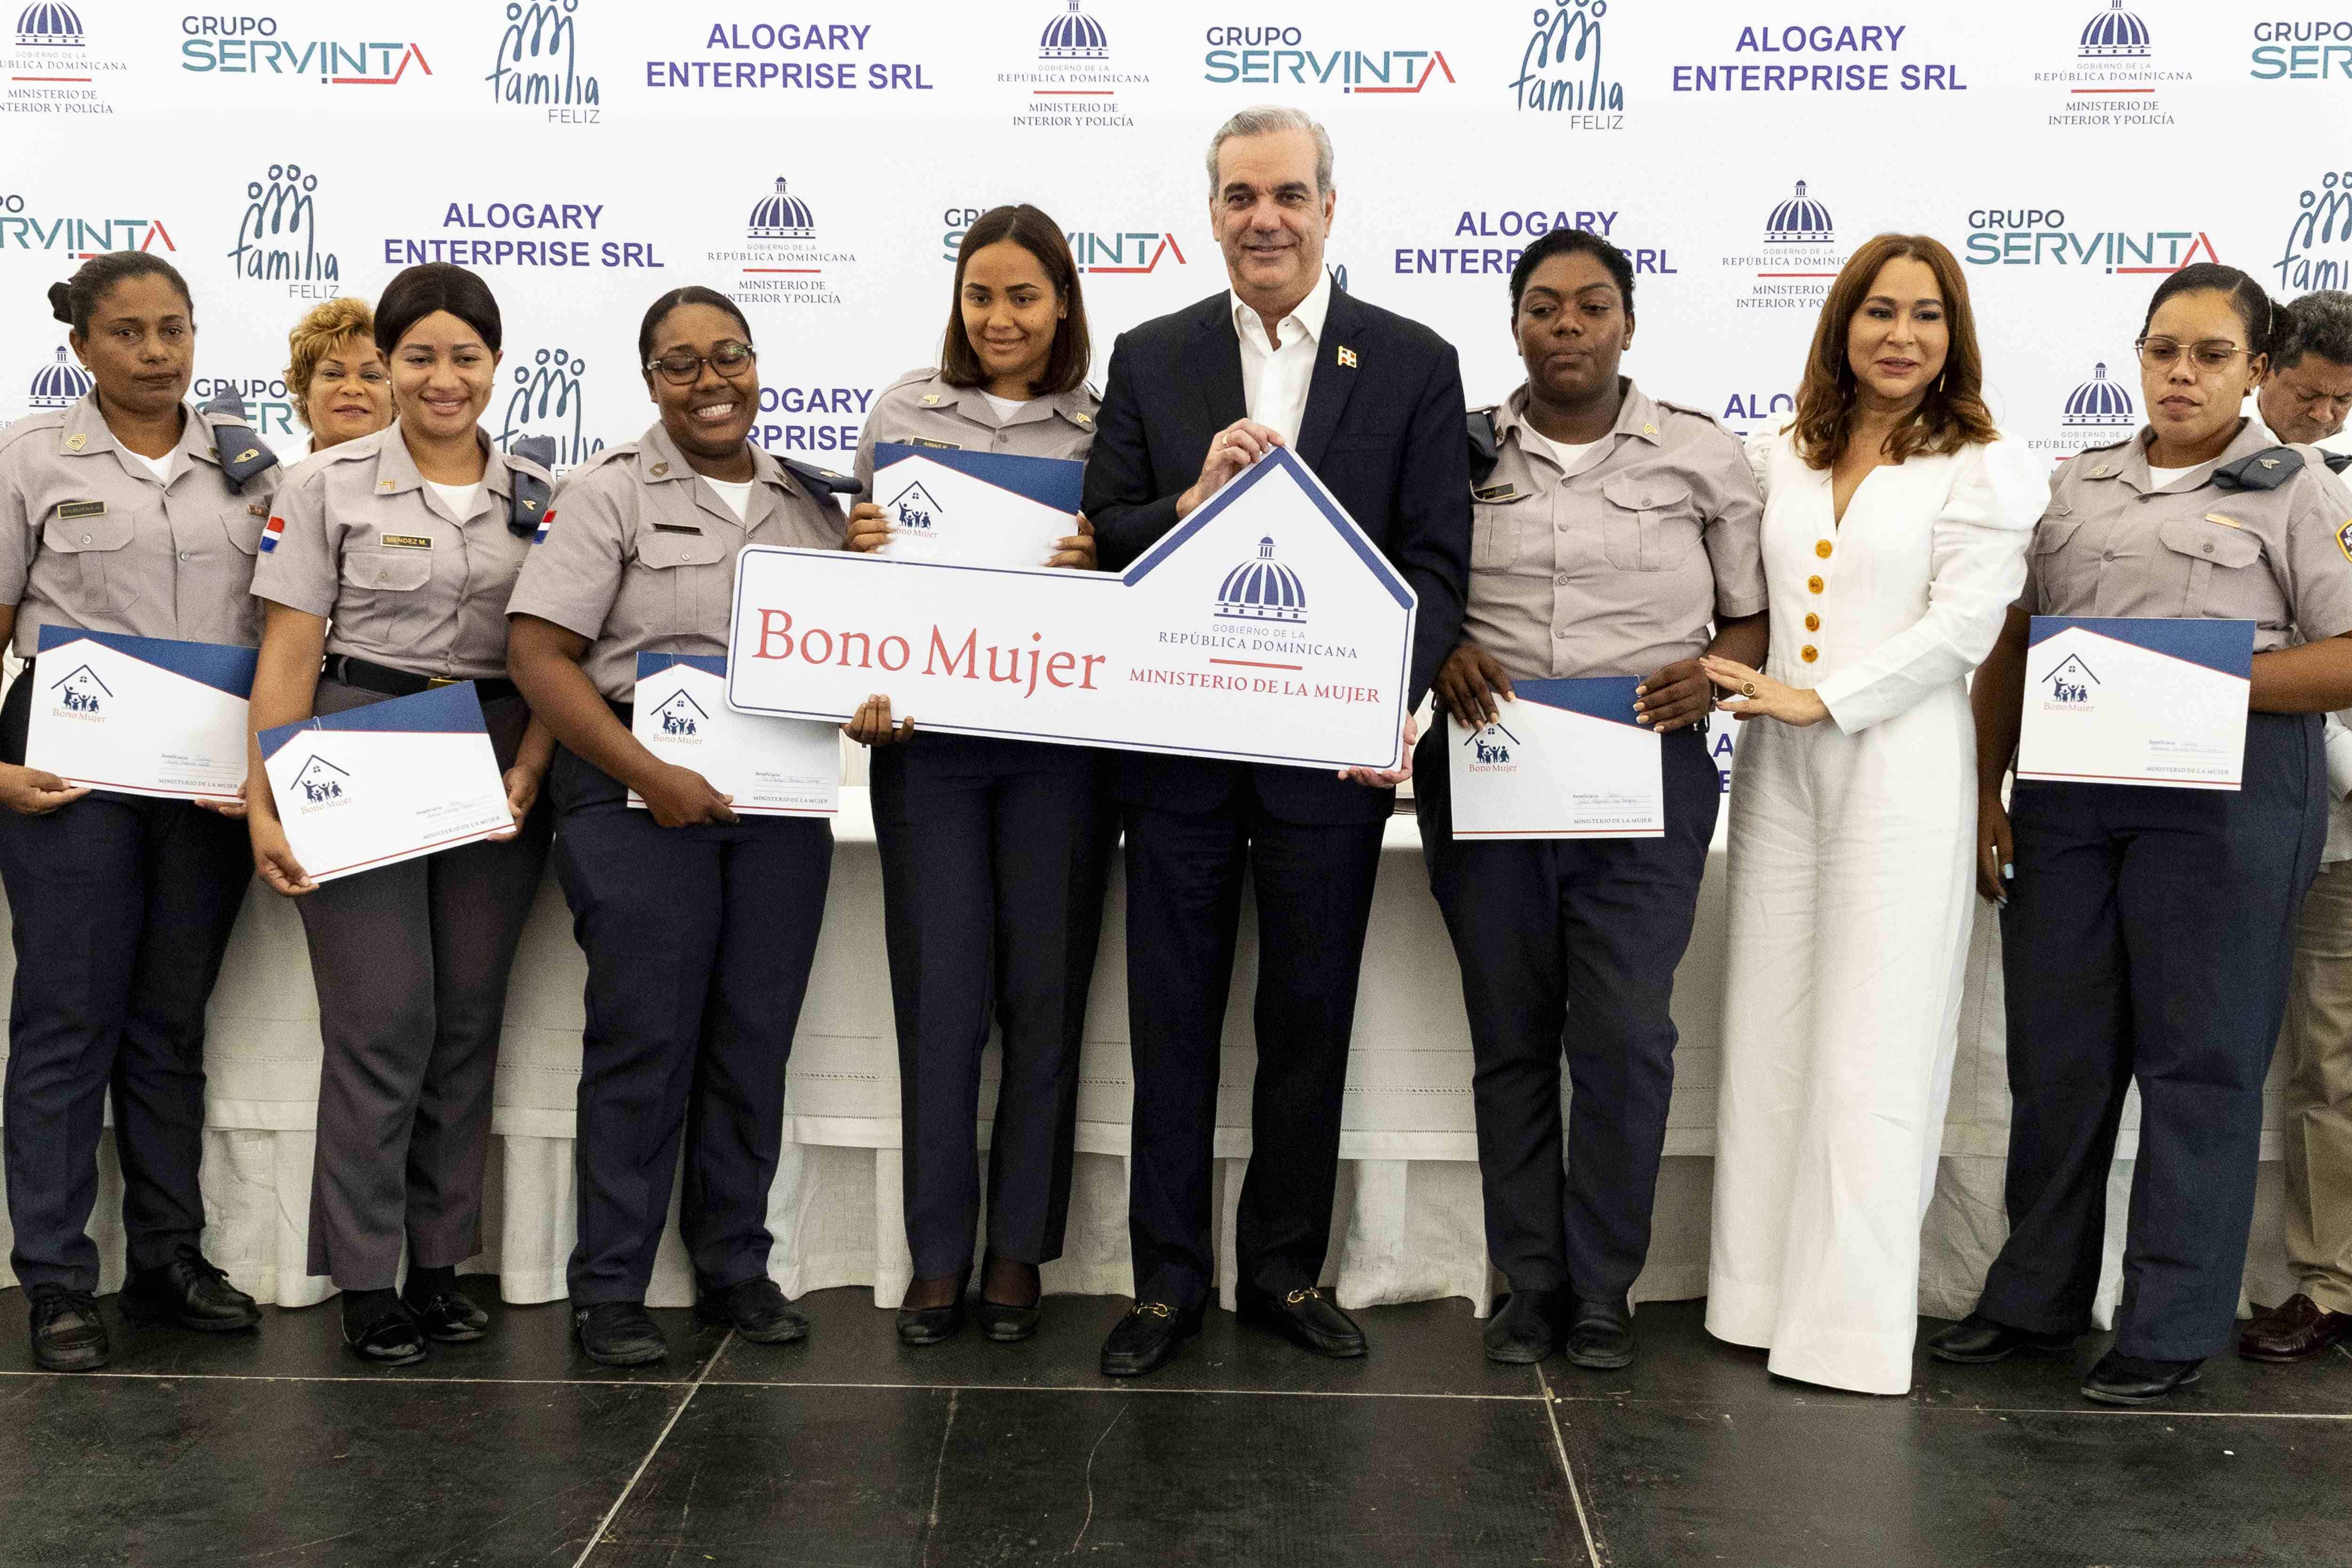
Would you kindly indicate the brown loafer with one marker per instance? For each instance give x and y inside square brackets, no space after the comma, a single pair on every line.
[2295,1328]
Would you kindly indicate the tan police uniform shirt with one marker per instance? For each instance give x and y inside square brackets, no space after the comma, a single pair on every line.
[639,554]
[919,409]
[91,538]
[1619,568]
[356,535]
[2111,543]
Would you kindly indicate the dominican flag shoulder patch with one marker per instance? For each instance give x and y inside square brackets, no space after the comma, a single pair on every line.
[271,532]
[538,536]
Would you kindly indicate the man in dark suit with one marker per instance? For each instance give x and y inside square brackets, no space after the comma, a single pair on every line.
[1372,402]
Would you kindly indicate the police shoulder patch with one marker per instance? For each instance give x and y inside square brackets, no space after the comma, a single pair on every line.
[2344,539]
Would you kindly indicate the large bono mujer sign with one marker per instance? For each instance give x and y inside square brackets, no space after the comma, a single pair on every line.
[1265,628]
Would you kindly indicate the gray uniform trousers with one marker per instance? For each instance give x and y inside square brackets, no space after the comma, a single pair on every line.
[411,962]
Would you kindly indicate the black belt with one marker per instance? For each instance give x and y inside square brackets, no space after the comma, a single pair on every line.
[393,682]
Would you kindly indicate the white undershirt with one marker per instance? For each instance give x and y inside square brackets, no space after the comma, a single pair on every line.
[459,497]
[2159,478]
[1006,407]
[160,467]
[737,497]
[1572,459]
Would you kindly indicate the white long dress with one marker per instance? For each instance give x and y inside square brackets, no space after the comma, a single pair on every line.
[1851,850]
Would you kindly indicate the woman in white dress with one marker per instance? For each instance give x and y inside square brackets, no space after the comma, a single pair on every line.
[1895,525]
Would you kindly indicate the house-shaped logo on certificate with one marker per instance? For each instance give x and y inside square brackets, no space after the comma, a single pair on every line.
[321,782]
[2071,681]
[681,715]
[79,690]
[915,508]
[1491,746]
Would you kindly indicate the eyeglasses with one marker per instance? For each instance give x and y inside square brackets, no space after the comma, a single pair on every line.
[683,369]
[2213,353]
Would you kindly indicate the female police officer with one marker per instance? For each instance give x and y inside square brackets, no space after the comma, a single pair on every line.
[698,926]
[2147,932]
[394,554]
[127,512]
[992,851]
[1568,581]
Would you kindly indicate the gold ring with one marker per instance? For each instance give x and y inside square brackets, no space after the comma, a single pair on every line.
[1748,688]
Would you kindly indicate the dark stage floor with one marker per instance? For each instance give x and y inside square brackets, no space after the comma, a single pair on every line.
[279,1450]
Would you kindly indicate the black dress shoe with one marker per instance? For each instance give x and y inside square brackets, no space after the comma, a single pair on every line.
[191,1291]
[930,1325]
[2121,1379]
[1524,1327]
[755,1309]
[378,1329]
[68,1333]
[1976,1340]
[1148,1338]
[443,1312]
[1306,1318]
[618,1333]
[1601,1333]
[1005,1325]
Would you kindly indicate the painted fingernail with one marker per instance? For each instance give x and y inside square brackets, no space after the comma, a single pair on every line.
[2008,872]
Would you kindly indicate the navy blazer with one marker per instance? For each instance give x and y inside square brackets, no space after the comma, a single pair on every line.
[1384,436]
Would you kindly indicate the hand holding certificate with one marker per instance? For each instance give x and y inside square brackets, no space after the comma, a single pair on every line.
[140,715]
[2152,702]
[375,785]
[1565,760]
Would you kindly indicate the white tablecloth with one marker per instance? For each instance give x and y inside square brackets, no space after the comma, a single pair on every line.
[1408,1226]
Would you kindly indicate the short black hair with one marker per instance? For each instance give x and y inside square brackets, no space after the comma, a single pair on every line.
[2318,323]
[2255,312]
[76,300]
[415,292]
[1570,242]
[692,294]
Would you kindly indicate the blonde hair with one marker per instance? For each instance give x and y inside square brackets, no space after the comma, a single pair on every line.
[330,327]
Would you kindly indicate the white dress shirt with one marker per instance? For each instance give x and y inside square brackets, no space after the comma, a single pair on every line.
[1274,379]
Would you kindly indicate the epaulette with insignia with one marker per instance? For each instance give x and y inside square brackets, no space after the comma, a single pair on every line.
[1484,451]
[822,481]
[2337,461]
[527,507]
[242,454]
[2261,471]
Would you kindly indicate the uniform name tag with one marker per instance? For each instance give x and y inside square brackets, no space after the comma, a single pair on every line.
[2224,521]
[941,445]
[406,541]
[675,528]
[1495,492]
[80,509]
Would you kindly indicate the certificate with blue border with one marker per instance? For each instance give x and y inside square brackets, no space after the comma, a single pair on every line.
[375,785]
[2118,700]
[1564,760]
[769,767]
[140,715]
[976,509]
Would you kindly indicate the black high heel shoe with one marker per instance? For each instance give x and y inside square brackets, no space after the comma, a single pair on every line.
[920,1326]
[1006,1325]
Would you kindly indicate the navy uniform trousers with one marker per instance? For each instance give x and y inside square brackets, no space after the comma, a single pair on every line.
[411,962]
[2147,939]
[1570,945]
[994,854]
[1313,888]
[122,907]
[699,942]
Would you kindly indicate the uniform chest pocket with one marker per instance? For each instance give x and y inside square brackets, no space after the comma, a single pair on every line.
[100,579]
[381,604]
[2052,583]
[244,523]
[679,585]
[1497,533]
[1649,522]
[2224,567]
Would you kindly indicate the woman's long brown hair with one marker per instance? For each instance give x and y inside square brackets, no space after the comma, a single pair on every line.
[1953,414]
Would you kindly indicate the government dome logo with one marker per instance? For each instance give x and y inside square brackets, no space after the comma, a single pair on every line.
[46,24]
[781,216]
[1073,36]
[1263,590]
[2100,405]
[2115,34]
[1800,220]
[60,384]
